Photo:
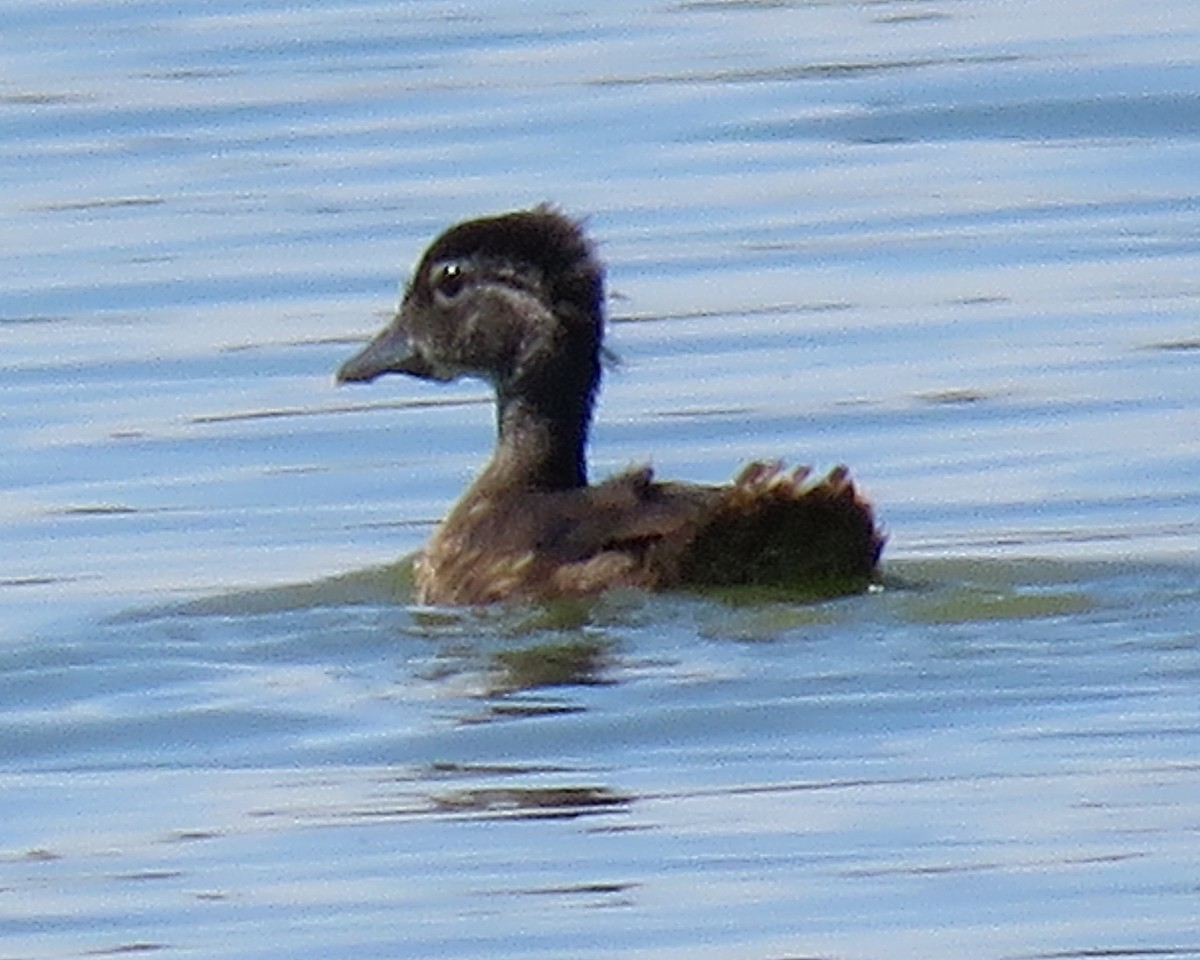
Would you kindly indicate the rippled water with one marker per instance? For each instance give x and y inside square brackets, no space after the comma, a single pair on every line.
[953,245]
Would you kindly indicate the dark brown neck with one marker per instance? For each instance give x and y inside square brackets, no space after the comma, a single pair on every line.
[544,410]
[542,440]
[542,420]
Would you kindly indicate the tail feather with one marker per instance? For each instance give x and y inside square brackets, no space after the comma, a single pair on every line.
[779,528]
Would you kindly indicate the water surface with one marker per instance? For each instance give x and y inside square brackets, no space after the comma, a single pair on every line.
[953,245]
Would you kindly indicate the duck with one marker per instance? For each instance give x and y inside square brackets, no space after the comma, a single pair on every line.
[517,300]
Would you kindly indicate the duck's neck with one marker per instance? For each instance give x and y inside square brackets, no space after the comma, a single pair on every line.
[542,437]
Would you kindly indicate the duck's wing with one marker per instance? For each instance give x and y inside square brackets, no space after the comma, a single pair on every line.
[506,544]
[627,531]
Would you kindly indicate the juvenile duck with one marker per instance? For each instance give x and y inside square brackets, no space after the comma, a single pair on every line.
[518,301]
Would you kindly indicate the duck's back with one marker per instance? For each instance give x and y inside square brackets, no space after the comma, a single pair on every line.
[767,527]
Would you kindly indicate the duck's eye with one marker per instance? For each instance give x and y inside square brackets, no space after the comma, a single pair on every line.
[448,280]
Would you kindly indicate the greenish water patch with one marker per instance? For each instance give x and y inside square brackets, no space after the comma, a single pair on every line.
[391,584]
[570,663]
[971,603]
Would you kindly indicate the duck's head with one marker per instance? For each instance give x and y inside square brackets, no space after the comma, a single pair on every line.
[516,300]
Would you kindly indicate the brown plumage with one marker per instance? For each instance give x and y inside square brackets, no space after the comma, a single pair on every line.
[517,300]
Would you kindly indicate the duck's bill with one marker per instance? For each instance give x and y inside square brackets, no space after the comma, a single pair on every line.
[391,351]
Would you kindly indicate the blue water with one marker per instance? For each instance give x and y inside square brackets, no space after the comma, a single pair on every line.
[953,245]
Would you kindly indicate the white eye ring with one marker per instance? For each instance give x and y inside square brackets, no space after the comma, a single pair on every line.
[448,280]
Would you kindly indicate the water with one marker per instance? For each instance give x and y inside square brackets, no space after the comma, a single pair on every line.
[951,245]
